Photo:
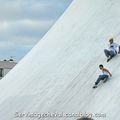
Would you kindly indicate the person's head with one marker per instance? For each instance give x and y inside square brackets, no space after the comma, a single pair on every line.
[111,40]
[85,118]
[100,66]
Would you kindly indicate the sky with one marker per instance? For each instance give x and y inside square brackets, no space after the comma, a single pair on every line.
[24,22]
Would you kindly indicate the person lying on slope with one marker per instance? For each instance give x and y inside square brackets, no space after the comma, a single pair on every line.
[105,75]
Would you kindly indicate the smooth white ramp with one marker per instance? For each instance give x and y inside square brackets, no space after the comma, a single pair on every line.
[57,75]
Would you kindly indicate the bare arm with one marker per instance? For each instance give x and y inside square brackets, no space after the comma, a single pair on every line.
[108,72]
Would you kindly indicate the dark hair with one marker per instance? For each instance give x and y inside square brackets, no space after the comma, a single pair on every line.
[100,65]
[84,118]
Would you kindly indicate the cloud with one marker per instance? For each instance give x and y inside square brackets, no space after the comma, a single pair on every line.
[24,31]
[32,9]
[24,22]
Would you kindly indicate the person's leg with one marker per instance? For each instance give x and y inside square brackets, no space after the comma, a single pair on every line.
[107,53]
[112,54]
[99,79]
[105,76]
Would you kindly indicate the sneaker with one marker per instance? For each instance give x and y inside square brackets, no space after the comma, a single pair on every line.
[95,86]
[109,59]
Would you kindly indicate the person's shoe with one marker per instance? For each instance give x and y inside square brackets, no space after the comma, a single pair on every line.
[109,59]
[95,86]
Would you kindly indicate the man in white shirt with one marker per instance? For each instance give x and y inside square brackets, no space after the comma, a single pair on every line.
[114,48]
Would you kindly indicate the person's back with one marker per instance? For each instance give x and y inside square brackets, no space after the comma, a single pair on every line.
[104,71]
[113,46]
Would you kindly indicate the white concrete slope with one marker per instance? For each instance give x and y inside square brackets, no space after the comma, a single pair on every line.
[57,75]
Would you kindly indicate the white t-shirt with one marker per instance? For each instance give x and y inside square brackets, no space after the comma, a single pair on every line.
[114,47]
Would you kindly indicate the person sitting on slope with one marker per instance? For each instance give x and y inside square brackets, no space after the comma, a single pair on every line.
[113,49]
[105,75]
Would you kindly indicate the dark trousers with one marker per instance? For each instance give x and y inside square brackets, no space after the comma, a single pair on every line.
[101,77]
[109,53]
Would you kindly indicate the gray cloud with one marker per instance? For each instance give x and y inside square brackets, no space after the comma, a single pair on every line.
[32,9]
[24,22]
[26,31]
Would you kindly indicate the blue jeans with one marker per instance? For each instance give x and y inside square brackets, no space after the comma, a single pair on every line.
[101,77]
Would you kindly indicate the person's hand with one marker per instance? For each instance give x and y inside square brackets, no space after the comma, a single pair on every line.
[110,75]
